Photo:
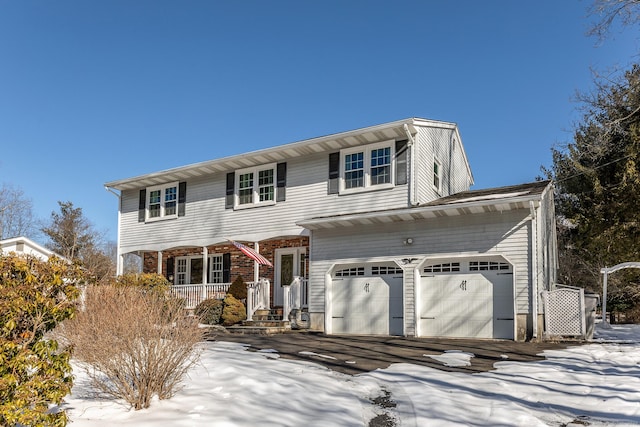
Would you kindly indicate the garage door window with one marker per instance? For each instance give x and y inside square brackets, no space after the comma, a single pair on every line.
[350,272]
[489,266]
[382,270]
[442,268]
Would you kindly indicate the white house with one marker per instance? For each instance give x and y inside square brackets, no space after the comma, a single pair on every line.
[370,231]
[24,245]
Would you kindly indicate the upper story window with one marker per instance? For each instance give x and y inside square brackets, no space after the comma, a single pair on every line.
[366,167]
[437,175]
[256,186]
[162,201]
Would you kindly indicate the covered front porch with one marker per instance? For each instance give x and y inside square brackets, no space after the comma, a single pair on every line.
[274,270]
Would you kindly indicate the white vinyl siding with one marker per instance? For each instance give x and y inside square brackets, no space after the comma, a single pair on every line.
[506,233]
[208,222]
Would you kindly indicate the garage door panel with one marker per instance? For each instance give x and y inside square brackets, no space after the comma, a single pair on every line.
[473,304]
[369,305]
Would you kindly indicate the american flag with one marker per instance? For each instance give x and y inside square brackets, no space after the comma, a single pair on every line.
[251,253]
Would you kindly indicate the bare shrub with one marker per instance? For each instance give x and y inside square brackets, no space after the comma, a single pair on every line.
[133,344]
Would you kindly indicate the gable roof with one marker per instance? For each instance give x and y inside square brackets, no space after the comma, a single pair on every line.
[24,245]
[328,143]
[499,199]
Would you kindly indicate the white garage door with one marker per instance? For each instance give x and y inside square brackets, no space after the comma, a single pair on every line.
[367,300]
[467,299]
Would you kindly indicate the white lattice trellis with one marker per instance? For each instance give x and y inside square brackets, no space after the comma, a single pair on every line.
[564,312]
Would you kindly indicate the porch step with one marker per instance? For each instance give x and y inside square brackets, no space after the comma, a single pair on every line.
[260,327]
[274,314]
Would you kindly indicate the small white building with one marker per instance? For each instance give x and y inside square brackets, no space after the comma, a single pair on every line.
[23,245]
[370,231]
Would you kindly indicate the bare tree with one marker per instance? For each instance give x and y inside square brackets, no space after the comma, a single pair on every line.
[608,11]
[73,236]
[16,213]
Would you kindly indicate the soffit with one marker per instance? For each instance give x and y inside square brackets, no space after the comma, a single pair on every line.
[330,143]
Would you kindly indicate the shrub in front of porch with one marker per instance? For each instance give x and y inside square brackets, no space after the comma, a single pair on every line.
[233,312]
[146,281]
[238,289]
[209,311]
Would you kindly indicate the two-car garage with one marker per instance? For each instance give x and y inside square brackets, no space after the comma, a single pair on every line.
[466,298]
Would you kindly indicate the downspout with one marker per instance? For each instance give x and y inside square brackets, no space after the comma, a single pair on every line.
[119,260]
[534,268]
[412,182]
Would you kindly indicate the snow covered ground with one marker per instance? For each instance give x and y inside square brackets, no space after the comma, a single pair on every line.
[597,384]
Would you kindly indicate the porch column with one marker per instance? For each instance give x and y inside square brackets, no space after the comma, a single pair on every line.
[205,255]
[160,263]
[256,266]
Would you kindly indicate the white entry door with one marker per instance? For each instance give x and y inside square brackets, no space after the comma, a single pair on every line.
[290,262]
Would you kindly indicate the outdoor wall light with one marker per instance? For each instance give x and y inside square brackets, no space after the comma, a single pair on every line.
[408,241]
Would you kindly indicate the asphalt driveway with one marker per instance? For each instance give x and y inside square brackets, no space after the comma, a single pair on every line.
[357,354]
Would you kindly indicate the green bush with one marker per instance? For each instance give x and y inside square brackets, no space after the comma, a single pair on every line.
[233,312]
[35,373]
[238,288]
[147,281]
[209,311]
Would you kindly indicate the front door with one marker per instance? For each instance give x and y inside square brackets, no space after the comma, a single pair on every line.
[290,262]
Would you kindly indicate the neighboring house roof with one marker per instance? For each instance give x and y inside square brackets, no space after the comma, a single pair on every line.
[328,143]
[24,245]
[498,199]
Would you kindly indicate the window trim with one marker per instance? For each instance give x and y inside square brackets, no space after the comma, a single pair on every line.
[367,154]
[437,164]
[211,263]
[255,187]
[163,190]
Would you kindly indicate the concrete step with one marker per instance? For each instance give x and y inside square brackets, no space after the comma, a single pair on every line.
[266,323]
[258,330]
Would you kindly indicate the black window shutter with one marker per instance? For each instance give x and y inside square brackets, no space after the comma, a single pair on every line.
[142,205]
[401,162]
[334,172]
[170,271]
[281,182]
[182,198]
[230,196]
[226,268]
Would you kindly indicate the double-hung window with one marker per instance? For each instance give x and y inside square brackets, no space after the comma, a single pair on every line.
[215,269]
[437,175]
[255,186]
[162,201]
[367,167]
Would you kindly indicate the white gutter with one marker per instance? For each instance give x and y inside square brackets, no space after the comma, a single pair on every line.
[534,268]
[412,181]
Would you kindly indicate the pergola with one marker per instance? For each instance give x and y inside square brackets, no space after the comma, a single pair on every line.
[606,271]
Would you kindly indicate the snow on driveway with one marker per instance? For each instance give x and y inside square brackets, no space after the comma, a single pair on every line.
[596,384]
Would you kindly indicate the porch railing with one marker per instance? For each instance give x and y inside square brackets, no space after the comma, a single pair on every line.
[258,296]
[295,296]
[195,294]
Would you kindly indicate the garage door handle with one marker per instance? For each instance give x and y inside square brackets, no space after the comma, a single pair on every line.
[337,317]
[427,317]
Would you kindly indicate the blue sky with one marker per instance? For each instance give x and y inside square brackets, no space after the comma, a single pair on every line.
[92,92]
